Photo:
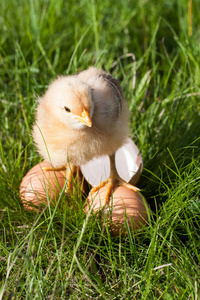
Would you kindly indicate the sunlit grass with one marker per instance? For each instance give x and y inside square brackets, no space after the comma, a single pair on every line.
[60,252]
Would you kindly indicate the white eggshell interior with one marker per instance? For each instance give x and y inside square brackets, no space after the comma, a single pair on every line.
[128,163]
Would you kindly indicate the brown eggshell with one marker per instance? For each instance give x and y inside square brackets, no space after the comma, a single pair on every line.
[33,190]
[124,204]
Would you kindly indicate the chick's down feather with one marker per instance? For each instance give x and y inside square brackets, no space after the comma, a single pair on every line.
[80,117]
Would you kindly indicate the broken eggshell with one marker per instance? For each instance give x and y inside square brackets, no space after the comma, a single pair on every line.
[128,162]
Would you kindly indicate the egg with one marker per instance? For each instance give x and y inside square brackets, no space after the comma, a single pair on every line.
[37,183]
[124,204]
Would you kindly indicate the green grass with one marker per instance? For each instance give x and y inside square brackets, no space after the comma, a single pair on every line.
[60,253]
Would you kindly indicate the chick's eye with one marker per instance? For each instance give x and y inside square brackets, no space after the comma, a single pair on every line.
[67,109]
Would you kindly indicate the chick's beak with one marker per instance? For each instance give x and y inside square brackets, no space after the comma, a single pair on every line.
[85,118]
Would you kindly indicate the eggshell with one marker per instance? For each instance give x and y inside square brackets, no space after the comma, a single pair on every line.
[37,181]
[124,204]
[128,161]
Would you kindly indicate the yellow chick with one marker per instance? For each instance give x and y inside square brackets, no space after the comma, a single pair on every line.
[80,117]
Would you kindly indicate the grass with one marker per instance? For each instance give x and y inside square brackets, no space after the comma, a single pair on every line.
[152,47]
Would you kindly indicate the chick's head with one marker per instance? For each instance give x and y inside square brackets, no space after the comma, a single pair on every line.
[70,100]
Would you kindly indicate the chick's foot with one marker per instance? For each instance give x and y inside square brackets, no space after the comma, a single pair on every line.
[53,169]
[68,171]
[111,183]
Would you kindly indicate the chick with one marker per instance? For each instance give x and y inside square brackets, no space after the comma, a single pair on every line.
[80,117]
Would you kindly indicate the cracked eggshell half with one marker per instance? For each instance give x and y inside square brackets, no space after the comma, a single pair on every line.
[128,161]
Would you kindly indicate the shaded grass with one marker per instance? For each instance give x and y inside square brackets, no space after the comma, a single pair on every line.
[60,253]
